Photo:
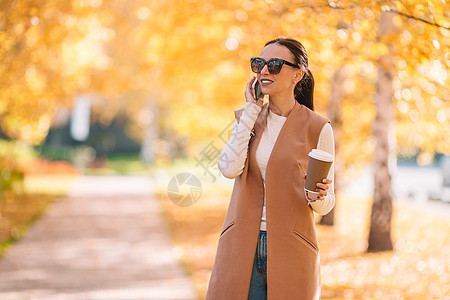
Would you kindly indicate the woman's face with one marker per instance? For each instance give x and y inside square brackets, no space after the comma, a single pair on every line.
[283,82]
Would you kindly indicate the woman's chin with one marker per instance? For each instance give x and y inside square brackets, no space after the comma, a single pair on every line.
[266,91]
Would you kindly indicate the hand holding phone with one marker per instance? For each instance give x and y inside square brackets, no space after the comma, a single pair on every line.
[252,90]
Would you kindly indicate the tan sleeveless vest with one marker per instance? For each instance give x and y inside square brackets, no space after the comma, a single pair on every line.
[292,252]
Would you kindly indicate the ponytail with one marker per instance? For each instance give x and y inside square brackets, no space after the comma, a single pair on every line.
[303,91]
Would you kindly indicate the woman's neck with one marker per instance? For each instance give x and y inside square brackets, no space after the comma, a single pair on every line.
[281,107]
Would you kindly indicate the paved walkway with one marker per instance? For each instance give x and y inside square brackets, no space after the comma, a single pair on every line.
[105,240]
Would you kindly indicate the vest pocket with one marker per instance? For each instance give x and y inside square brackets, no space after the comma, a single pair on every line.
[306,242]
[227,227]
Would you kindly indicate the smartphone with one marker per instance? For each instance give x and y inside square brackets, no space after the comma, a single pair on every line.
[257,90]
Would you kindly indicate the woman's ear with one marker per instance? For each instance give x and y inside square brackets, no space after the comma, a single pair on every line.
[299,75]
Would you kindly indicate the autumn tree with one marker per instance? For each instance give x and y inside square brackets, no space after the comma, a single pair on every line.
[380,224]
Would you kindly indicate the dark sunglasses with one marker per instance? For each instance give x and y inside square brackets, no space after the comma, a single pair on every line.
[274,65]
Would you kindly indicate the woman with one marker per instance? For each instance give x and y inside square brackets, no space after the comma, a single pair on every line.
[268,244]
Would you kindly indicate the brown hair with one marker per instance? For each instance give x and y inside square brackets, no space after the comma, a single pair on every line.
[303,91]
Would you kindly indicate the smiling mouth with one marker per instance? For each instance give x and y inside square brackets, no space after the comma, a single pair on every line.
[266,82]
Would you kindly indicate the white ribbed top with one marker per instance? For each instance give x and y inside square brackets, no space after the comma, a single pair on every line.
[232,158]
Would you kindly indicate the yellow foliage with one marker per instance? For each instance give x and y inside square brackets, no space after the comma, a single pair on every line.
[189,60]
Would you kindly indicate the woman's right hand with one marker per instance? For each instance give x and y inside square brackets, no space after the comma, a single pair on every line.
[249,92]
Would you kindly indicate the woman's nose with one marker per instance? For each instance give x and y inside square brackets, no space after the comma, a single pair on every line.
[265,70]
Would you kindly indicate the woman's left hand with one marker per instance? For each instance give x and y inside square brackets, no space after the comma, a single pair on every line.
[321,190]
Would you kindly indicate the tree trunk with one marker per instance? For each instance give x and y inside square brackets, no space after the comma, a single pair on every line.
[380,223]
[334,113]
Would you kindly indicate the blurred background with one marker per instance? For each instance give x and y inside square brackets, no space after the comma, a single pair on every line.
[148,88]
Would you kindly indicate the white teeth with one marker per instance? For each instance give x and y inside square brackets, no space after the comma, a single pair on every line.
[266,81]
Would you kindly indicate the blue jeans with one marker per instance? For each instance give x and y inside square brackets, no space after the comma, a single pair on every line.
[258,281]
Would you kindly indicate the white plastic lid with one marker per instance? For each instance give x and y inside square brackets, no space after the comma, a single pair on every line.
[321,155]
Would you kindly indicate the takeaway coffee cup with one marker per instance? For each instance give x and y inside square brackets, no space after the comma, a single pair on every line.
[318,167]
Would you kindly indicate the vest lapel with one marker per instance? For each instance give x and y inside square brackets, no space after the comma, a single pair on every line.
[289,125]
[259,127]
